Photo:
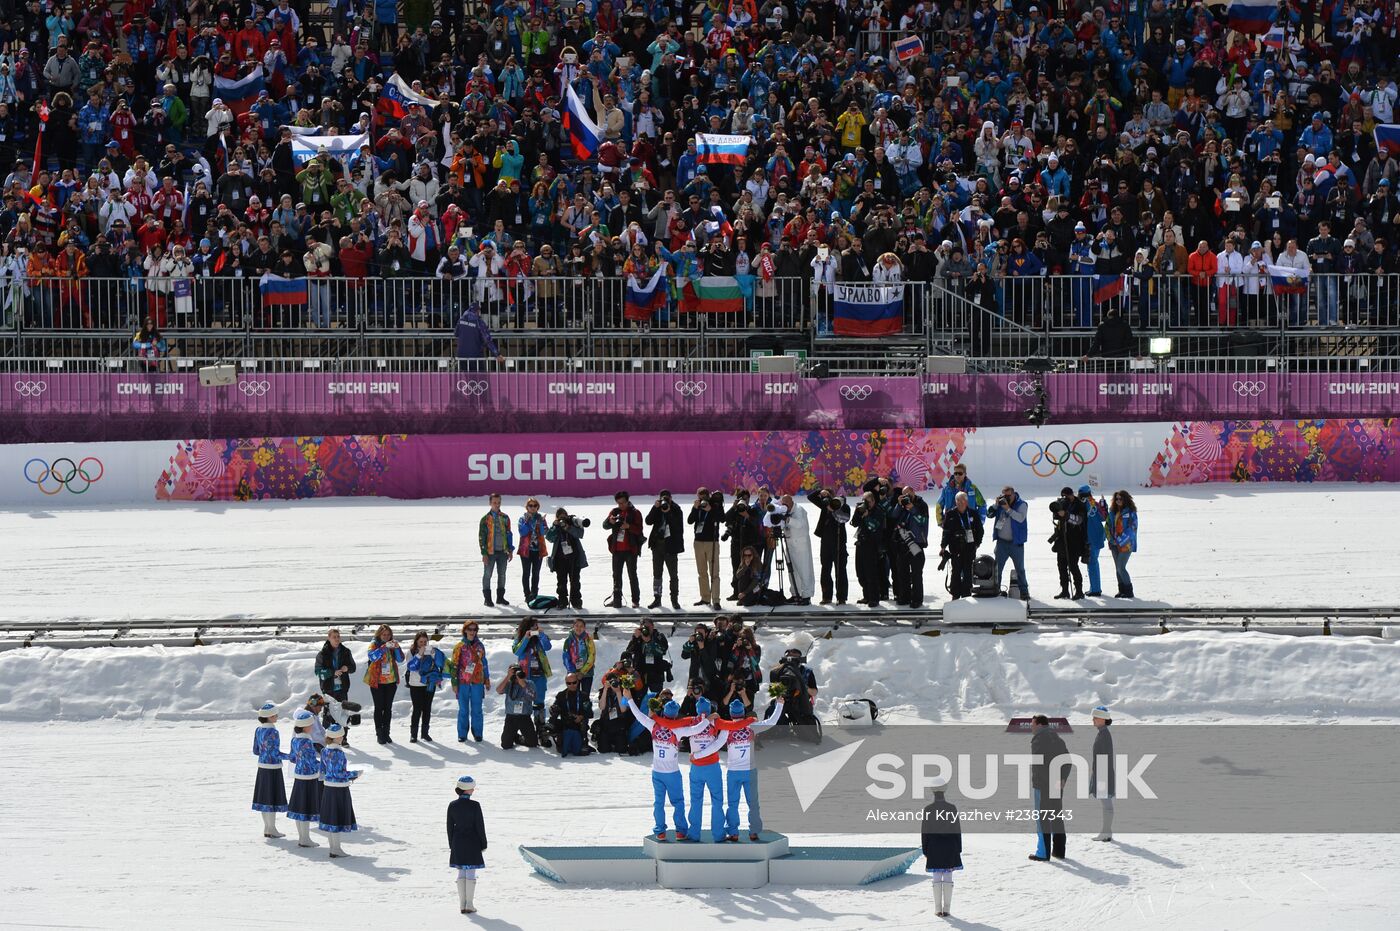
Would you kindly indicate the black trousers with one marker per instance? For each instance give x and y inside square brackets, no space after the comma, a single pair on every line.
[383,707]
[566,574]
[834,558]
[1053,834]
[962,574]
[519,729]
[660,563]
[870,571]
[422,698]
[629,561]
[1069,567]
[911,578]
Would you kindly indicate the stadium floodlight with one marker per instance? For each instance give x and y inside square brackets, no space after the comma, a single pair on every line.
[1159,347]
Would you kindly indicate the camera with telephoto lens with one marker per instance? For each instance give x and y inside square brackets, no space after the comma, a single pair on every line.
[568,520]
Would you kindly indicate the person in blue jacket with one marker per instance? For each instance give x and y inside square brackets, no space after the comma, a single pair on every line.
[466,838]
[425,674]
[269,791]
[474,342]
[1097,512]
[305,804]
[530,646]
[337,810]
[1122,538]
[948,498]
[1009,531]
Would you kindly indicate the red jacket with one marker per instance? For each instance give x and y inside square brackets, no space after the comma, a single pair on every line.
[630,529]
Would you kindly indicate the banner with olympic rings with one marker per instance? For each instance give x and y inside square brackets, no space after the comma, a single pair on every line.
[1103,456]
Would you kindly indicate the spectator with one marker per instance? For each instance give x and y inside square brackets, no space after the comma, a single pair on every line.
[425,674]
[1122,533]
[471,677]
[569,717]
[624,527]
[382,677]
[962,536]
[1008,514]
[497,551]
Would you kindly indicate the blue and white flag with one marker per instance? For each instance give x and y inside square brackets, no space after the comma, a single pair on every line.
[305,148]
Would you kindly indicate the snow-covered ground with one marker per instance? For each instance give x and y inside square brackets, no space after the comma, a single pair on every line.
[1204,546]
[129,770]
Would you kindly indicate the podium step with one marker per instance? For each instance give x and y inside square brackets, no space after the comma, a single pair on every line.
[712,874]
[768,846]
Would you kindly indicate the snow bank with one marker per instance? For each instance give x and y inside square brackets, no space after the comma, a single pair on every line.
[970,677]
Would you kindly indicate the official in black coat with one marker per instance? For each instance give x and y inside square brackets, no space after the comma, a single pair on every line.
[1046,745]
[466,835]
[1070,540]
[831,531]
[962,536]
[942,842]
[666,540]
[1103,783]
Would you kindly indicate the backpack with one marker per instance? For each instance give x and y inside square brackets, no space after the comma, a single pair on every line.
[544,603]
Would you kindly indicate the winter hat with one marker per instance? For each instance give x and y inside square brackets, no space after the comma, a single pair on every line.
[335,731]
[736,708]
[671,709]
[268,710]
[703,706]
[466,784]
[1080,228]
[302,718]
[1101,712]
[1085,490]
[1066,491]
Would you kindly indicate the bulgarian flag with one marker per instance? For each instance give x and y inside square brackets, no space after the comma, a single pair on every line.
[712,295]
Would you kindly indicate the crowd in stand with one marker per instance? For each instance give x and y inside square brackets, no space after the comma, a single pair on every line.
[1015,140]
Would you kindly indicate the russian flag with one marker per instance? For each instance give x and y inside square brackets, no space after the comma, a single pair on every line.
[718,149]
[908,47]
[1388,137]
[1107,287]
[1288,280]
[1274,38]
[867,309]
[1251,16]
[242,93]
[643,300]
[305,148]
[278,291]
[396,96]
[584,134]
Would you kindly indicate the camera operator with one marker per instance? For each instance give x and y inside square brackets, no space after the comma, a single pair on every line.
[610,731]
[751,579]
[910,517]
[567,560]
[520,700]
[885,495]
[790,525]
[706,515]
[870,522]
[1008,514]
[624,527]
[647,649]
[1069,540]
[706,664]
[746,658]
[801,684]
[962,535]
[831,530]
[569,717]
[737,687]
[743,528]
[667,542]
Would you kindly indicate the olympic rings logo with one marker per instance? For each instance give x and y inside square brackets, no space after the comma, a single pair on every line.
[30,389]
[1021,389]
[254,389]
[473,389]
[1248,389]
[691,389]
[64,473]
[856,392]
[1062,457]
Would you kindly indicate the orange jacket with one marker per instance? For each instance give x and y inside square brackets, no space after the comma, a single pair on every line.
[1201,268]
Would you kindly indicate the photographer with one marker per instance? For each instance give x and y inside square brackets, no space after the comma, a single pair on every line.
[801,685]
[870,522]
[751,579]
[706,664]
[1069,540]
[520,699]
[382,677]
[568,559]
[667,542]
[706,515]
[624,527]
[737,688]
[831,530]
[742,528]
[910,518]
[885,495]
[647,650]
[530,646]
[569,717]
[610,730]
[962,535]
[1008,514]
[746,660]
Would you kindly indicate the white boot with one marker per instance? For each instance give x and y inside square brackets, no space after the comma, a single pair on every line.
[270,825]
[938,897]
[335,846]
[1107,832]
[947,898]
[466,888]
[304,835]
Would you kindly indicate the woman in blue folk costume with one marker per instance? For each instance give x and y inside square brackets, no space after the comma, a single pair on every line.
[305,804]
[269,791]
[337,812]
[466,835]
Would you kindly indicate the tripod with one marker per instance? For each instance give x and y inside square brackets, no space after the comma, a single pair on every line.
[781,560]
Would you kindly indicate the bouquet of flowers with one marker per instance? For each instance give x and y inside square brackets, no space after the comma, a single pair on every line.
[777,690]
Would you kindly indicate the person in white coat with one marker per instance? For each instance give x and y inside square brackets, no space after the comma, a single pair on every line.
[799,541]
[1229,276]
